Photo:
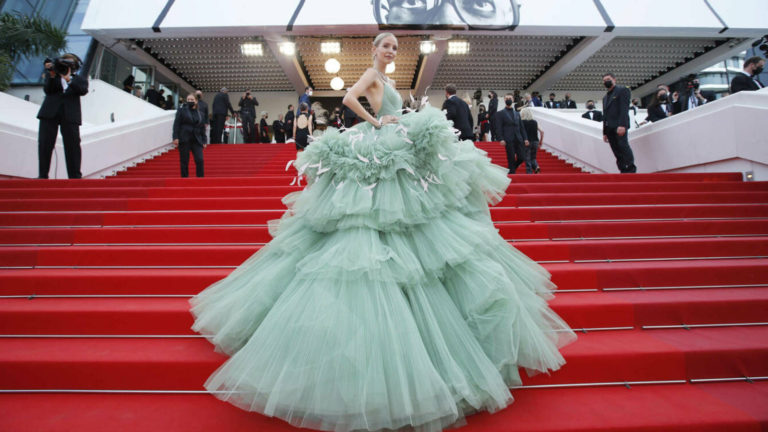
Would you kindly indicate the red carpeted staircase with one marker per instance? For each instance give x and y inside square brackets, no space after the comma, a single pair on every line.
[665,276]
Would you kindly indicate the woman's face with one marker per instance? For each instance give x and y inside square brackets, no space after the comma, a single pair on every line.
[387,50]
[191,98]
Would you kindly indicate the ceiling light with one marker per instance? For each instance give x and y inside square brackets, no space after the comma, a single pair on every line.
[427,47]
[458,47]
[251,49]
[337,83]
[287,48]
[330,47]
[390,68]
[332,66]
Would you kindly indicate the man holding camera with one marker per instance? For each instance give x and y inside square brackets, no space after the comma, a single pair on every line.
[248,105]
[690,97]
[61,109]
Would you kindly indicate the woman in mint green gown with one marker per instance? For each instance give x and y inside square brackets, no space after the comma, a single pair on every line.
[387,298]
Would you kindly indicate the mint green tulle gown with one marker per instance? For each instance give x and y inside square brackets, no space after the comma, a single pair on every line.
[387,298]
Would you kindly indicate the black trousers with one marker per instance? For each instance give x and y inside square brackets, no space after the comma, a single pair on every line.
[534,150]
[46,141]
[625,159]
[518,153]
[249,133]
[217,128]
[197,151]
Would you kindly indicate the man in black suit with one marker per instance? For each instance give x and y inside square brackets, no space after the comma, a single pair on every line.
[568,102]
[509,127]
[592,113]
[219,110]
[189,136]
[61,109]
[616,123]
[493,106]
[748,79]
[458,111]
[551,103]
[288,122]
[202,106]
[153,96]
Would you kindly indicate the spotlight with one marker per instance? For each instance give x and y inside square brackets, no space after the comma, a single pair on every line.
[337,83]
[252,49]
[427,47]
[332,66]
[287,48]
[458,47]
[330,47]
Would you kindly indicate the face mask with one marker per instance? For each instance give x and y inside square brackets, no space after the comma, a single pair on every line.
[696,86]
[191,104]
[552,99]
[757,70]
[508,102]
[608,84]
[590,107]
[310,93]
[663,98]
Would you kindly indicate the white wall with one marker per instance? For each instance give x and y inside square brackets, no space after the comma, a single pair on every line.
[139,131]
[724,135]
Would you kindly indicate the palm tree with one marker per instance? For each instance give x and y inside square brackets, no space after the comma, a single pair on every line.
[25,36]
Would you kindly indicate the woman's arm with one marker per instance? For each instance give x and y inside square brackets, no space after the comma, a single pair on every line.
[309,126]
[541,137]
[359,89]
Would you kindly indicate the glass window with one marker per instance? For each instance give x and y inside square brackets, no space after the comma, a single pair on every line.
[77,18]
[57,12]
[26,7]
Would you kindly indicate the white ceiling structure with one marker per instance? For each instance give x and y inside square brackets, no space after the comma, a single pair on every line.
[554,45]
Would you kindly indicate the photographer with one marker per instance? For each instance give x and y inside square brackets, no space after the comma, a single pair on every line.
[690,97]
[61,109]
[248,105]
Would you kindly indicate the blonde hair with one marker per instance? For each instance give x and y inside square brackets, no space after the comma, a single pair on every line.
[526,114]
[382,36]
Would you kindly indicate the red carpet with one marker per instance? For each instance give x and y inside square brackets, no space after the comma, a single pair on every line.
[664,275]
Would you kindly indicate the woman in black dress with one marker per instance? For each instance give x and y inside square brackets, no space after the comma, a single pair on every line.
[482,123]
[535,136]
[655,111]
[302,127]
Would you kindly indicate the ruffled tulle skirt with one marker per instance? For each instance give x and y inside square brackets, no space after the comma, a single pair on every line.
[387,298]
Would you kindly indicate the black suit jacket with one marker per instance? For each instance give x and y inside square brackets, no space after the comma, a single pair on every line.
[742,82]
[656,113]
[568,104]
[67,102]
[551,104]
[187,126]
[616,108]
[509,126]
[458,111]
[596,115]
[221,104]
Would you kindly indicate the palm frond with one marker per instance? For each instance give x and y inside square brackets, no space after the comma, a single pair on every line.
[25,35]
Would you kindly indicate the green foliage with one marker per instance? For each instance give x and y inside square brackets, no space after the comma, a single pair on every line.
[25,36]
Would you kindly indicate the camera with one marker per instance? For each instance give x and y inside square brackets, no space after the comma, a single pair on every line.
[62,65]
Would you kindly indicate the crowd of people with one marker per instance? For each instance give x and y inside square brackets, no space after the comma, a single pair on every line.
[513,125]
